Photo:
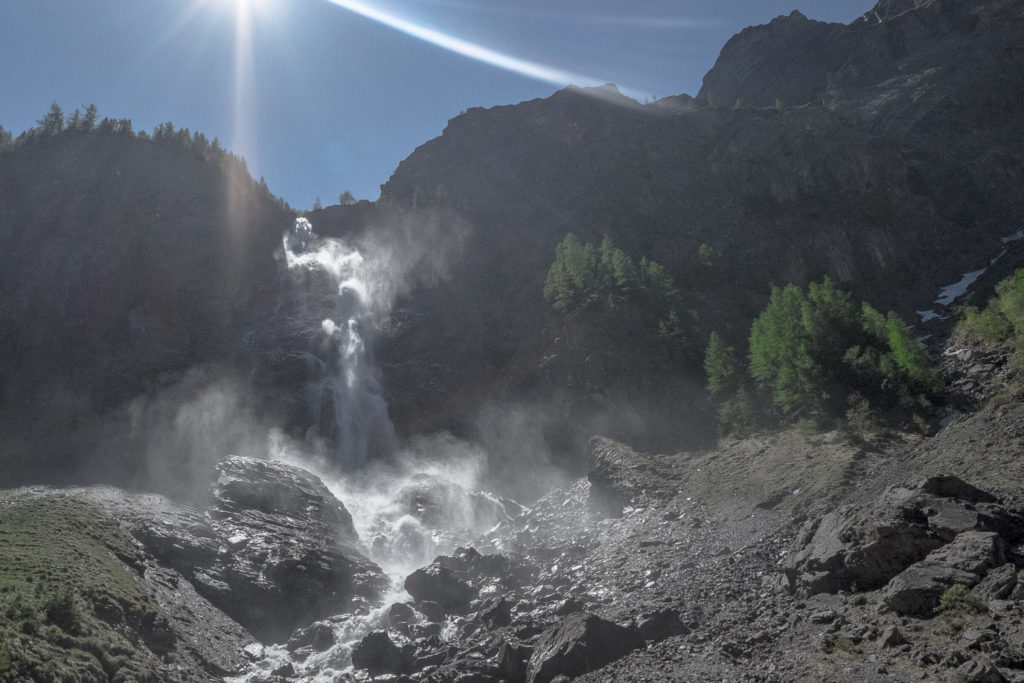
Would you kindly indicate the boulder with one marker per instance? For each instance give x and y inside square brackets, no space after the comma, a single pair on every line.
[863,547]
[892,637]
[973,671]
[512,660]
[661,624]
[477,568]
[582,642]
[495,613]
[997,584]
[377,654]
[291,556]
[438,584]
[916,591]
[400,616]
[318,636]
[274,488]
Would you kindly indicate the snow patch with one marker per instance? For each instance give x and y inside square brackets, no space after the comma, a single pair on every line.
[951,293]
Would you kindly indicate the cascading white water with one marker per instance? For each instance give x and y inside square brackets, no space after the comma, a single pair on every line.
[386,502]
[351,414]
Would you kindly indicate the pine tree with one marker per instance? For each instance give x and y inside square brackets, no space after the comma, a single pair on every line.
[720,365]
[89,117]
[53,122]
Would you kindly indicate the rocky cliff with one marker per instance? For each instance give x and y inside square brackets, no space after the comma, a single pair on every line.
[127,263]
[101,584]
[885,154]
[891,162]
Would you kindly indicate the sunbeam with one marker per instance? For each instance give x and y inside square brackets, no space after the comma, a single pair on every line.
[466,48]
[244,82]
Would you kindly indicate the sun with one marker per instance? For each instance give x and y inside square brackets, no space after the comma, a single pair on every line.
[259,9]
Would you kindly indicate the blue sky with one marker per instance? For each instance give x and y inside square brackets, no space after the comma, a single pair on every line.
[321,98]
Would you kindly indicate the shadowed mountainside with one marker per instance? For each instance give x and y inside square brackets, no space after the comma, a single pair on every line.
[126,263]
[900,169]
[892,163]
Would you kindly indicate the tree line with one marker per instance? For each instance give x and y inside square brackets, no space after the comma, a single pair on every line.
[814,355]
[620,318]
[87,121]
[819,357]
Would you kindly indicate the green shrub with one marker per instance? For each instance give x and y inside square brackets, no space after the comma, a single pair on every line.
[988,325]
[1002,320]
[61,610]
[708,255]
[860,418]
[959,598]
[797,345]
[736,415]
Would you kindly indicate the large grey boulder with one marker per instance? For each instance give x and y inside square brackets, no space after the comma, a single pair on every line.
[248,486]
[291,554]
[438,584]
[997,584]
[916,590]
[864,547]
[274,551]
[378,654]
[582,642]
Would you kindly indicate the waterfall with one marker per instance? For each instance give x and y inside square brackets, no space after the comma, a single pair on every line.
[350,412]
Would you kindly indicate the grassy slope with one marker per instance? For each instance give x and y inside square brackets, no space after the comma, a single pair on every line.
[70,608]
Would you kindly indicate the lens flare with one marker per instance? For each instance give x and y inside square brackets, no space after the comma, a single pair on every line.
[469,49]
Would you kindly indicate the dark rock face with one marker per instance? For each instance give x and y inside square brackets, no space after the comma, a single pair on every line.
[787,61]
[161,255]
[293,557]
[273,488]
[275,551]
[378,655]
[440,585]
[906,70]
[916,590]
[866,547]
[581,643]
[899,174]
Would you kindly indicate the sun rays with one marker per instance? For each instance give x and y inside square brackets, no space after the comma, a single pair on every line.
[465,47]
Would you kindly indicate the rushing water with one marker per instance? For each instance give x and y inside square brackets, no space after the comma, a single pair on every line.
[419,504]
[351,413]
[397,532]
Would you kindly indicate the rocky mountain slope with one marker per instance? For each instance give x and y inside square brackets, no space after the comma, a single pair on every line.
[892,163]
[127,263]
[782,557]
